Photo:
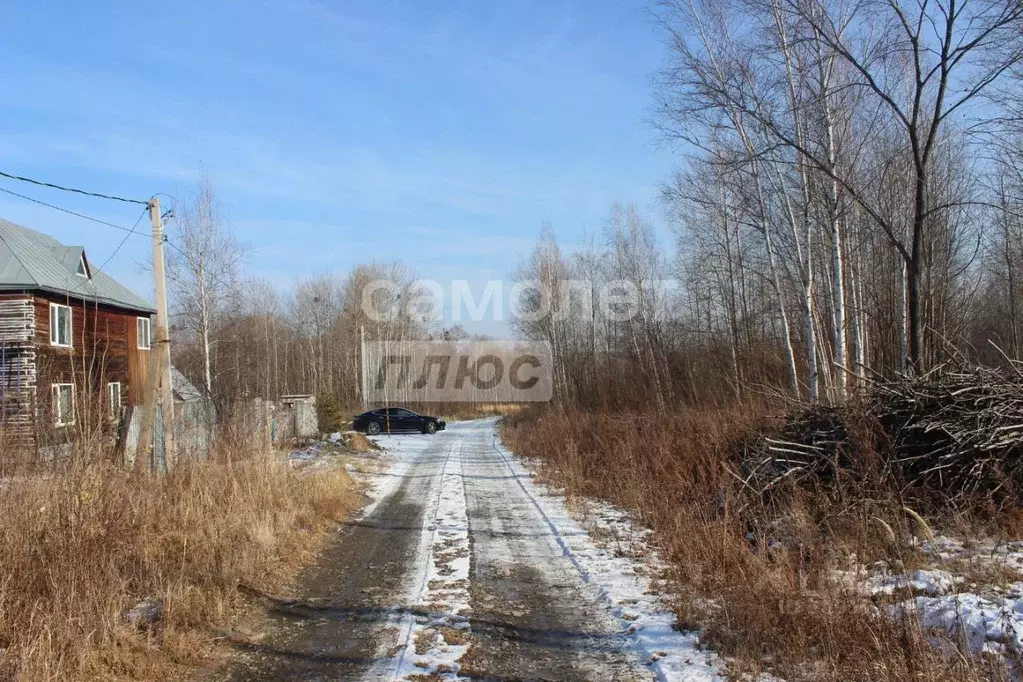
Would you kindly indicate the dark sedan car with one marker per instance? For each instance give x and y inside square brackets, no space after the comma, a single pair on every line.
[394,419]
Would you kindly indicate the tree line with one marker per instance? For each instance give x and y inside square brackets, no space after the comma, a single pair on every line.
[849,204]
[240,337]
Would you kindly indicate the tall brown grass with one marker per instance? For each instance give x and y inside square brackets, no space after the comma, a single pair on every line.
[82,541]
[756,574]
[449,411]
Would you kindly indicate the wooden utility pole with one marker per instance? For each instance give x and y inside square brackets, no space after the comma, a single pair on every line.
[162,333]
[145,455]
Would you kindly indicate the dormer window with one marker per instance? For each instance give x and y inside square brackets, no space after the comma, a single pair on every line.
[83,268]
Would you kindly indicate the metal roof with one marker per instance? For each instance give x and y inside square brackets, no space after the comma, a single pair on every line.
[185,389]
[33,260]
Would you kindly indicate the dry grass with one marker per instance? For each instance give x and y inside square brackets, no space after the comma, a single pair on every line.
[756,575]
[457,411]
[82,543]
[357,442]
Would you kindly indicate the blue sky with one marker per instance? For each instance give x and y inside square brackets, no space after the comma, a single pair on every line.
[335,133]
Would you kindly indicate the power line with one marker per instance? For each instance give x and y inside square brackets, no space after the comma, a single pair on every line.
[130,232]
[72,189]
[74,213]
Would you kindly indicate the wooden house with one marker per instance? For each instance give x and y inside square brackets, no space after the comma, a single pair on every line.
[74,343]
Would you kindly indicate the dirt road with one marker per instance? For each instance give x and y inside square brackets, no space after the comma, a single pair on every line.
[461,569]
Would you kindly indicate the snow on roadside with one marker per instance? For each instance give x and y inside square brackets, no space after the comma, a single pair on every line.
[990,623]
[957,594]
[624,580]
[931,582]
[311,452]
[1008,555]
[324,450]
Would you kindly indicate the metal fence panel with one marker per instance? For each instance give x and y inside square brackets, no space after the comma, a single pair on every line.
[194,430]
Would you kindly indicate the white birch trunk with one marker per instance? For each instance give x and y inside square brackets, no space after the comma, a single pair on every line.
[837,265]
[204,329]
[806,258]
[903,316]
[838,289]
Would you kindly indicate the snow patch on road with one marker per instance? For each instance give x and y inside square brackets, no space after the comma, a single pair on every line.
[623,580]
[437,636]
[434,629]
[400,452]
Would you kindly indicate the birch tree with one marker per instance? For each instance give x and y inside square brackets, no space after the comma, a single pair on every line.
[203,269]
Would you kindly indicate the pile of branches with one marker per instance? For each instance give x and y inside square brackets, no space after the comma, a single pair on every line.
[956,430]
[810,445]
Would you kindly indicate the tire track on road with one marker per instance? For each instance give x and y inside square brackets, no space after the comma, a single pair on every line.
[533,616]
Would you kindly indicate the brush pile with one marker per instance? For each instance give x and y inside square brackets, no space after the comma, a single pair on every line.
[808,446]
[957,430]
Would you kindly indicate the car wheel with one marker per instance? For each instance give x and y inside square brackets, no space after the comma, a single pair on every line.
[430,428]
[373,428]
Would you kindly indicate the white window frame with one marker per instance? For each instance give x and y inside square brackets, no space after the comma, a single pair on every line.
[58,418]
[83,268]
[55,309]
[147,324]
[114,408]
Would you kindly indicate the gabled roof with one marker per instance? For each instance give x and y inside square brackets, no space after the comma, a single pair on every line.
[33,260]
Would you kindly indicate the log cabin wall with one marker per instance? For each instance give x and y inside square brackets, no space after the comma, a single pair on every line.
[17,365]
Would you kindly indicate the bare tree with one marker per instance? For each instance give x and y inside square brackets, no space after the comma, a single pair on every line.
[203,269]
[541,317]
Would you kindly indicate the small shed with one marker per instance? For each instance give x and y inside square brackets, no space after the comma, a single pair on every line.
[296,417]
